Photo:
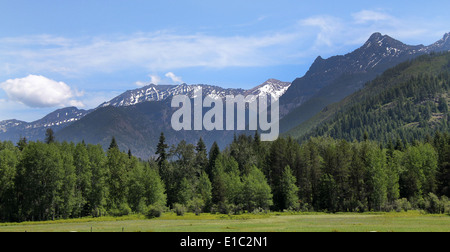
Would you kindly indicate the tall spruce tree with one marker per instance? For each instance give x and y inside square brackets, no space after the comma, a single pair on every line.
[113,144]
[213,154]
[161,149]
[201,158]
[49,136]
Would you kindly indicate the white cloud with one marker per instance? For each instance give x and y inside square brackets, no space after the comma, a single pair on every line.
[156,52]
[366,16]
[40,92]
[155,79]
[174,78]
[328,27]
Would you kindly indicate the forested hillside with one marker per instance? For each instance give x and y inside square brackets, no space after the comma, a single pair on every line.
[407,102]
[42,181]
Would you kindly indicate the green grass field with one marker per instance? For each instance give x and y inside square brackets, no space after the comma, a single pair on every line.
[273,222]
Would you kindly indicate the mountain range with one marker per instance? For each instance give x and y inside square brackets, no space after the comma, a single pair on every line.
[331,80]
[137,117]
[160,93]
[14,129]
[409,102]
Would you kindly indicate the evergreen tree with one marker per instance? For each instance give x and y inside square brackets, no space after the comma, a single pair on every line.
[309,173]
[214,152]
[201,158]
[113,144]
[218,182]
[49,136]
[169,175]
[161,150]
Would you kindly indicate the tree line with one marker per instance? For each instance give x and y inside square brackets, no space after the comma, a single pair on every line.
[53,180]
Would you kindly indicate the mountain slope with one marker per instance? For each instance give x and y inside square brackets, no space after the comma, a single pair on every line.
[12,130]
[136,118]
[408,101]
[329,81]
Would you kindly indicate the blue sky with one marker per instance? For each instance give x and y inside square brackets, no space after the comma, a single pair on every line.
[81,53]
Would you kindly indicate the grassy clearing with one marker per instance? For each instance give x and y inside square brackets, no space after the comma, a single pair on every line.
[273,222]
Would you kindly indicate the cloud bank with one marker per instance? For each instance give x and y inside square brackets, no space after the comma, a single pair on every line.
[40,92]
[155,52]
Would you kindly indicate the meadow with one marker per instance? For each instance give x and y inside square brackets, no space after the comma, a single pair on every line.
[412,221]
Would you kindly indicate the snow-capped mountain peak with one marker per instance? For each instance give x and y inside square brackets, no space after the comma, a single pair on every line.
[163,92]
[443,44]
[272,86]
[35,130]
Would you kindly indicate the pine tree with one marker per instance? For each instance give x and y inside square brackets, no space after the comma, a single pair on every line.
[161,149]
[214,152]
[201,158]
[49,136]
[218,182]
[113,144]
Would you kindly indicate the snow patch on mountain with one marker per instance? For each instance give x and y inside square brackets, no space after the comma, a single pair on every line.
[154,92]
[56,119]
